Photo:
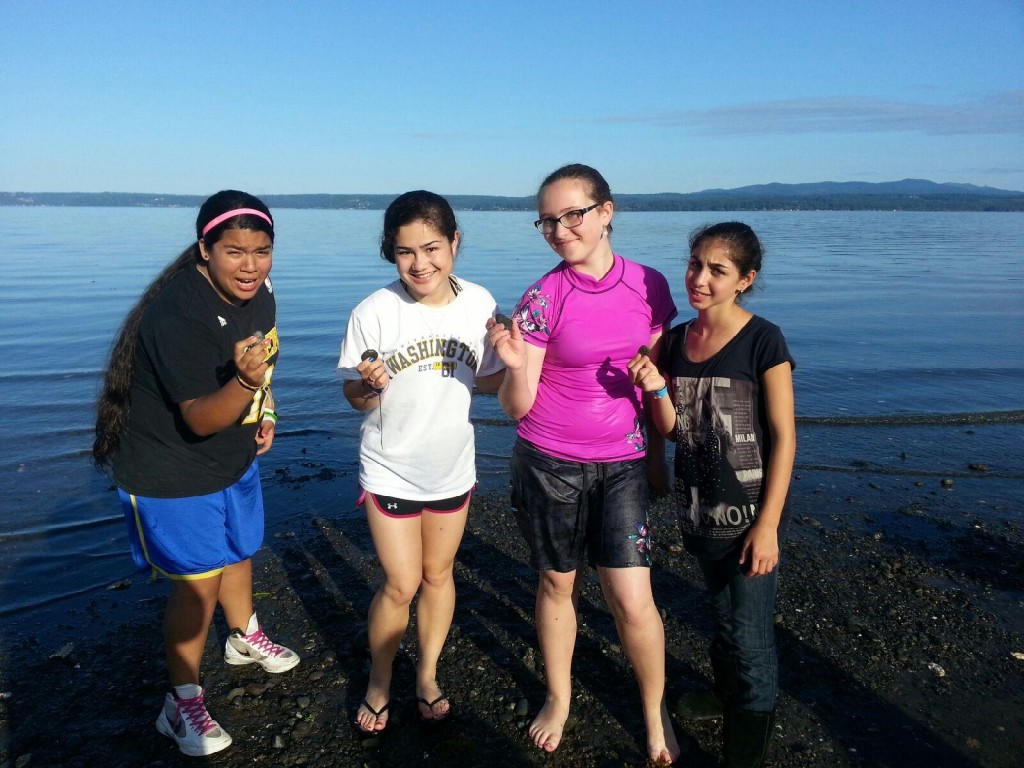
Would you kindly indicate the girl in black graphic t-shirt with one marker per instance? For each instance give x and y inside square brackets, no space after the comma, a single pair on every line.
[185,409]
[732,416]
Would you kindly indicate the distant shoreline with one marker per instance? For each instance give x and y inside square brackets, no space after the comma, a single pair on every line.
[906,195]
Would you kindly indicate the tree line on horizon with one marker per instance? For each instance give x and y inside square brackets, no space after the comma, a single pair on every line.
[906,195]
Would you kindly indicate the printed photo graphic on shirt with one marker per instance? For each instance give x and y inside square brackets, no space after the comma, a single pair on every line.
[438,354]
[718,460]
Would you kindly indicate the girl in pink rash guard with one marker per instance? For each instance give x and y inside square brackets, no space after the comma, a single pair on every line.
[579,468]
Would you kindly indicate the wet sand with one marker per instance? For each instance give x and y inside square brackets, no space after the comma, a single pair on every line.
[900,628]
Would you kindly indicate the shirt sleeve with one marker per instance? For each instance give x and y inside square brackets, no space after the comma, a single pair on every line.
[535,314]
[355,342]
[663,307]
[489,360]
[772,350]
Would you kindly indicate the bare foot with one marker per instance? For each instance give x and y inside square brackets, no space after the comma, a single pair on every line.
[662,746]
[372,714]
[546,729]
[432,704]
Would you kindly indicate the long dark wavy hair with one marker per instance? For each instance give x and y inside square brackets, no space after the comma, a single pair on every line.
[115,397]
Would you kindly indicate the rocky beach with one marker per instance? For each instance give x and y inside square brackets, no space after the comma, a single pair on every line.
[900,624]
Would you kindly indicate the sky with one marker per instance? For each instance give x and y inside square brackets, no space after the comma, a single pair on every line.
[485,97]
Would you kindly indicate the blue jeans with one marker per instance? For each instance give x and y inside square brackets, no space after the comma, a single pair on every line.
[744,609]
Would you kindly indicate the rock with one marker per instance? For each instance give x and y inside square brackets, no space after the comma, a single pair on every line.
[64,651]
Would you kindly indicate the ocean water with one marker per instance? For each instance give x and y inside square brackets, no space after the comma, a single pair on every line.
[894,318]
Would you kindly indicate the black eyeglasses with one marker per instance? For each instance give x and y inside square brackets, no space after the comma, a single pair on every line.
[569,219]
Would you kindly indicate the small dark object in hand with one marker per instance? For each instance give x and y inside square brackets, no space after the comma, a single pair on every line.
[644,350]
[504,320]
[259,337]
[370,354]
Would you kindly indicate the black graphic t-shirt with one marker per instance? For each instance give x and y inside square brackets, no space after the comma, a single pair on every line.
[185,351]
[722,435]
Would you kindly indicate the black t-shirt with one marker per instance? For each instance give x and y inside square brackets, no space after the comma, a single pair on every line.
[722,435]
[185,351]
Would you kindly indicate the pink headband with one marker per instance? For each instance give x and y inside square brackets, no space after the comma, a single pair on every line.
[236,212]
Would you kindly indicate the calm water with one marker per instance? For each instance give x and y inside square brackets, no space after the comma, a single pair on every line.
[888,315]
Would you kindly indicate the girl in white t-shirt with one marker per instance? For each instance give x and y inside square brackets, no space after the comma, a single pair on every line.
[412,353]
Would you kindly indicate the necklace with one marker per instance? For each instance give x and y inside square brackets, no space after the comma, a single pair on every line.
[433,317]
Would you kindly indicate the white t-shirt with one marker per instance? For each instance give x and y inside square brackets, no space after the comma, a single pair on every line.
[419,443]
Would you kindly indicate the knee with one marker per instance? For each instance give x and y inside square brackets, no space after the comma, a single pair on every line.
[437,576]
[635,612]
[555,586]
[200,594]
[399,591]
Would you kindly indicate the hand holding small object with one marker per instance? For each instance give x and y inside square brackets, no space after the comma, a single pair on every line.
[370,356]
[259,337]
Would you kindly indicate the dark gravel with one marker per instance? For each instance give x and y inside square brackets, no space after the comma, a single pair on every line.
[897,646]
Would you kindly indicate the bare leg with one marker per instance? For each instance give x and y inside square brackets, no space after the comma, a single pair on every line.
[628,593]
[557,595]
[442,534]
[187,618]
[397,540]
[235,594]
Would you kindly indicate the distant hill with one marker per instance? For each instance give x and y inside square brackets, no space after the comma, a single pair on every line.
[905,195]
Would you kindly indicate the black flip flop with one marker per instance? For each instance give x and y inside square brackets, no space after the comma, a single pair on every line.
[430,705]
[376,713]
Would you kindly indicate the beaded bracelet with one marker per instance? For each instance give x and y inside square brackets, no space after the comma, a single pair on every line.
[246,384]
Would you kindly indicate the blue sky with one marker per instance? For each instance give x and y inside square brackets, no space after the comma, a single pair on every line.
[487,97]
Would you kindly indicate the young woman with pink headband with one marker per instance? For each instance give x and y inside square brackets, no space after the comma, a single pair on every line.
[186,408]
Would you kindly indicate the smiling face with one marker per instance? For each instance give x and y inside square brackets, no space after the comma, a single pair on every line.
[238,263]
[585,246]
[425,259]
[712,277]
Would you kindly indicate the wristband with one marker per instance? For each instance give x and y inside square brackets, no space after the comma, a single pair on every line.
[269,414]
[371,392]
[246,384]
[660,393]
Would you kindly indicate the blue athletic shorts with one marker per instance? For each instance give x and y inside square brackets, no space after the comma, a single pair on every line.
[195,537]
[567,510]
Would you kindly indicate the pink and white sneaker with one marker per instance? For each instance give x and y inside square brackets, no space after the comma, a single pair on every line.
[254,647]
[184,718]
